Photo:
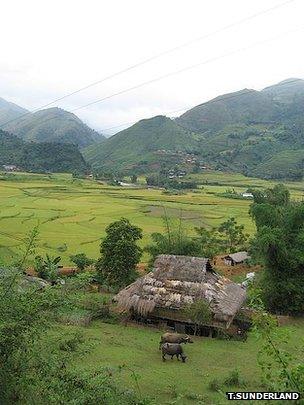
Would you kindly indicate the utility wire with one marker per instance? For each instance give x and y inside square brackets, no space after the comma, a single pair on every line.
[159,55]
[215,100]
[176,72]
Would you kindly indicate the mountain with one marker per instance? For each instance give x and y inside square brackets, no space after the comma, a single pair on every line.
[40,157]
[286,91]
[10,111]
[245,106]
[258,133]
[143,146]
[53,125]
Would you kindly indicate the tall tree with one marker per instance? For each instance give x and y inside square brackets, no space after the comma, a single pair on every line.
[119,253]
[233,234]
[279,245]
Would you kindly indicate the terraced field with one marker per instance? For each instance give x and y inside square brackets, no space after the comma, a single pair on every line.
[73,214]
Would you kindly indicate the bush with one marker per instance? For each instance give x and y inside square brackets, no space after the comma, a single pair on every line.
[81,260]
[234,379]
[215,385]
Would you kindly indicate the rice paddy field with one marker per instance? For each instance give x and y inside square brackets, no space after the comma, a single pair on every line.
[72,214]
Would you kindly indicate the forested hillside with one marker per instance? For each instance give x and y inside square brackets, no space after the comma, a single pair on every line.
[40,157]
[142,146]
[53,125]
[258,133]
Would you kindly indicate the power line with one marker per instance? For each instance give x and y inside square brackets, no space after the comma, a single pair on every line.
[215,100]
[230,53]
[157,56]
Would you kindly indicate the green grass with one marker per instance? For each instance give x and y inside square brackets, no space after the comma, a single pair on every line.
[74,213]
[137,348]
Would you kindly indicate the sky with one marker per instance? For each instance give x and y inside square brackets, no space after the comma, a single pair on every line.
[51,48]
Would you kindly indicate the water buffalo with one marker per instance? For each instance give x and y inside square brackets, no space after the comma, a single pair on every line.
[173,349]
[174,338]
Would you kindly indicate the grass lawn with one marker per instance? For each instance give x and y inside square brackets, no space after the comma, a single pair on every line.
[136,347]
[73,214]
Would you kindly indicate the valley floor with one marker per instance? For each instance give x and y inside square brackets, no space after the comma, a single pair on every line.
[72,214]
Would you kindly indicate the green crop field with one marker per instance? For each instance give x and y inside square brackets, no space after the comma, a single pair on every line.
[136,347]
[72,214]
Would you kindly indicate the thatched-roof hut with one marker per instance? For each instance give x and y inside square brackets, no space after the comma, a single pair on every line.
[236,258]
[176,282]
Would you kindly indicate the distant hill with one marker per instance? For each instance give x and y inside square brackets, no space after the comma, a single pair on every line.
[54,125]
[40,157]
[286,91]
[10,111]
[141,146]
[245,106]
[258,133]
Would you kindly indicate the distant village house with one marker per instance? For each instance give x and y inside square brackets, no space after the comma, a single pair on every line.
[236,258]
[247,195]
[10,168]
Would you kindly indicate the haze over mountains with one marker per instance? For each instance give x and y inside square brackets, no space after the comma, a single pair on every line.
[258,133]
[48,125]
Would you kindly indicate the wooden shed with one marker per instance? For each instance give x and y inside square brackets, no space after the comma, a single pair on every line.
[236,258]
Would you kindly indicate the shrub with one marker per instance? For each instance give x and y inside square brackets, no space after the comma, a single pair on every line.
[234,379]
[81,260]
[215,385]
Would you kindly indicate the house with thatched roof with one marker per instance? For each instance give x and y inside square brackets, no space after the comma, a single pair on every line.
[175,282]
[236,258]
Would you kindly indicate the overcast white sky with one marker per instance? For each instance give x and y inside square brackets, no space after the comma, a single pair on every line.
[52,47]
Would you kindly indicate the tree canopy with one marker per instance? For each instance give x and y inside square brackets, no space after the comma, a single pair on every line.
[279,244]
[119,253]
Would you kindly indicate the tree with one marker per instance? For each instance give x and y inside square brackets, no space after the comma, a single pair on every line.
[133,178]
[278,244]
[210,241]
[233,234]
[81,260]
[174,240]
[119,253]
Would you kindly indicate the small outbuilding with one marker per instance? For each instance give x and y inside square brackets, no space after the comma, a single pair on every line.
[236,258]
[162,296]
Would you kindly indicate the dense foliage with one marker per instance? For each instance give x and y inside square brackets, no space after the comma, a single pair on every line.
[81,260]
[159,180]
[279,244]
[119,253]
[40,157]
[34,366]
[228,237]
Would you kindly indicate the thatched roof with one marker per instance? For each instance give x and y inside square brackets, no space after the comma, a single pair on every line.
[238,257]
[178,281]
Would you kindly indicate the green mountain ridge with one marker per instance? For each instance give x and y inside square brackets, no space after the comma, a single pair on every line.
[141,145]
[53,125]
[258,133]
[40,157]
